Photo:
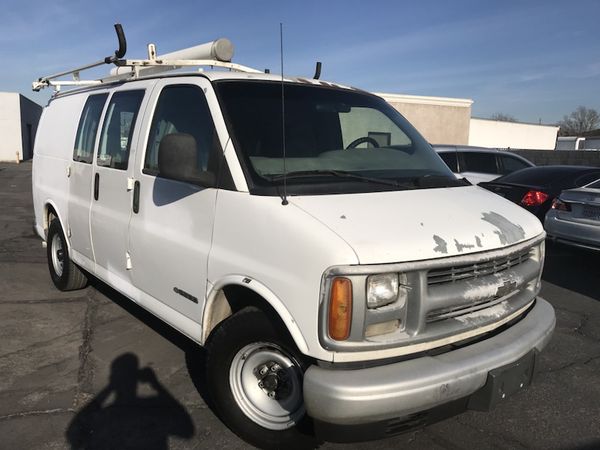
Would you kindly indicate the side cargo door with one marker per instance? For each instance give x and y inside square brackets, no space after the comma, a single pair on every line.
[170,232]
[111,204]
[81,176]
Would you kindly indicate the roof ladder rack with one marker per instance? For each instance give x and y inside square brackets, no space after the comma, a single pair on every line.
[213,54]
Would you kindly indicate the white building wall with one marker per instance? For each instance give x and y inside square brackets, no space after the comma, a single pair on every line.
[440,120]
[10,127]
[498,134]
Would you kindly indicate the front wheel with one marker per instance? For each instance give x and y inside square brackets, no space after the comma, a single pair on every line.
[254,374]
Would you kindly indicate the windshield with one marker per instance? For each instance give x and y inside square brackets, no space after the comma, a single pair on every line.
[336,140]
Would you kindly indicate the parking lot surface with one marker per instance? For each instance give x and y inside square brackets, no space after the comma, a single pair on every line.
[89,369]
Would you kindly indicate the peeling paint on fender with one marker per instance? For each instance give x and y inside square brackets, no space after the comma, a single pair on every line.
[508,232]
[442,245]
[460,247]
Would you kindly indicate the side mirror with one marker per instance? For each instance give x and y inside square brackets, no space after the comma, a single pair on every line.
[178,160]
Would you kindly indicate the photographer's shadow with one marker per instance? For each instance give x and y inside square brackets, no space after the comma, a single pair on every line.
[129,421]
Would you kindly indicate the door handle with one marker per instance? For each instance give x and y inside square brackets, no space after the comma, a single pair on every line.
[96,185]
[136,197]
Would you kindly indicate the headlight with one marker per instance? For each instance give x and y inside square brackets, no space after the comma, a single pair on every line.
[385,289]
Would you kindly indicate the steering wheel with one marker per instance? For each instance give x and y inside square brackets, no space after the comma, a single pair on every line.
[361,140]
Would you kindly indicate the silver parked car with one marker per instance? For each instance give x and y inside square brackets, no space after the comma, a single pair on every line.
[479,164]
[574,218]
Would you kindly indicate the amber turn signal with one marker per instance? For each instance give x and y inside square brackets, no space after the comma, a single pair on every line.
[340,309]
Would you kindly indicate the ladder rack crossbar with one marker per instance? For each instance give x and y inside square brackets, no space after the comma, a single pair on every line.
[73,71]
[139,68]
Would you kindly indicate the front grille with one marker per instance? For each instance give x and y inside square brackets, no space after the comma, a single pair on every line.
[469,271]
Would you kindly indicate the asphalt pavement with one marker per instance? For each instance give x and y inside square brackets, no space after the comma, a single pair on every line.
[90,369]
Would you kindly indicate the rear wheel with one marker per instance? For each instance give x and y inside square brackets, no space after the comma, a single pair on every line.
[254,375]
[65,275]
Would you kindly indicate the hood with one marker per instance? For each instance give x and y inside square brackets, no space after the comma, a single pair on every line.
[386,227]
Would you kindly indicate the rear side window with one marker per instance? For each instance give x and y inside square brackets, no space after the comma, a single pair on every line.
[450,160]
[511,164]
[479,162]
[183,109]
[586,179]
[117,129]
[595,185]
[88,128]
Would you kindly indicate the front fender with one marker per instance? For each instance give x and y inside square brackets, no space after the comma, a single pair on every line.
[266,294]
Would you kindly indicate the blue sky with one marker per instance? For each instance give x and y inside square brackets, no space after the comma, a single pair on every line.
[530,59]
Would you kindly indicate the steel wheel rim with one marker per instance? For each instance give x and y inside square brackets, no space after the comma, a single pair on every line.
[286,407]
[58,255]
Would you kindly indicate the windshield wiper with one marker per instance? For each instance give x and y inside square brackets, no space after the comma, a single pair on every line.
[340,174]
[439,180]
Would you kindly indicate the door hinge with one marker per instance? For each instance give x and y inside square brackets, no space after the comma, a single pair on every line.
[128,261]
[69,232]
[69,171]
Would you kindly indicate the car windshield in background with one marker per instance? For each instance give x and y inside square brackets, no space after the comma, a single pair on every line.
[336,140]
[557,176]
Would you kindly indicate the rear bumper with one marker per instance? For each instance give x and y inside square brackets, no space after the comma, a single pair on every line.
[353,397]
[573,233]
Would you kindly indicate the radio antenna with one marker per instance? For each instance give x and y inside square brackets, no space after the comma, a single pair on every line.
[284,200]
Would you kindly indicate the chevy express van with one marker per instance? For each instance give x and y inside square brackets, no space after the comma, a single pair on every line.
[341,278]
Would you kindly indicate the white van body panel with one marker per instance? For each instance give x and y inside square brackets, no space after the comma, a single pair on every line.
[175,319]
[374,224]
[53,149]
[278,246]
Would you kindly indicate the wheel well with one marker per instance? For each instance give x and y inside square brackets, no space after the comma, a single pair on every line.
[49,215]
[233,298]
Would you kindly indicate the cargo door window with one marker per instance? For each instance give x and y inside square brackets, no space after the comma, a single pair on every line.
[117,129]
[182,109]
[88,128]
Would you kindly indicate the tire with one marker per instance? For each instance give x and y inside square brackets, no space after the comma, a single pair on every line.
[254,377]
[65,275]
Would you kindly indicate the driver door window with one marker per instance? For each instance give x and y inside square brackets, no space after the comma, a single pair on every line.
[183,109]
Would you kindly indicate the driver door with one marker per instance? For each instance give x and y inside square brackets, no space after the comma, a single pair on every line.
[170,232]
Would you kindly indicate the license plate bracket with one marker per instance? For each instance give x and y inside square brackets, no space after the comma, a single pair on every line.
[504,381]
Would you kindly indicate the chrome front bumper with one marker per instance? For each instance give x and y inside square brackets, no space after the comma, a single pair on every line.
[347,397]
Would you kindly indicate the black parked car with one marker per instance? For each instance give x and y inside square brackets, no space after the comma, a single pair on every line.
[535,188]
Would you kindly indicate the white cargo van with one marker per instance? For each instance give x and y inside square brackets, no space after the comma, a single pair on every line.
[339,275]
